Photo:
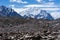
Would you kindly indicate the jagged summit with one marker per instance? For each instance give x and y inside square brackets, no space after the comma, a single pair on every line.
[8,12]
[44,15]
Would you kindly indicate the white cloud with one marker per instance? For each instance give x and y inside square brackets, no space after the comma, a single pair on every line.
[40,5]
[12,0]
[51,8]
[46,2]
[50,3]
[55,15]
[19,1]
[18,10]
[39,1]
[51,0]
[12,6]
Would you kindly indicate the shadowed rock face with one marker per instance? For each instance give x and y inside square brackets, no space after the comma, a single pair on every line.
[8,12]
[44,15]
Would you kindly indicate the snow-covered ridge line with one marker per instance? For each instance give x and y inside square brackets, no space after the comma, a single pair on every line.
[36,11]
[33,12]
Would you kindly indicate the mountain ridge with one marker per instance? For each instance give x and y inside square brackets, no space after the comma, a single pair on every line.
[35,13]
[8,12]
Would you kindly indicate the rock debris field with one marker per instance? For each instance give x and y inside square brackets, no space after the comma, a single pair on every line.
[29,29]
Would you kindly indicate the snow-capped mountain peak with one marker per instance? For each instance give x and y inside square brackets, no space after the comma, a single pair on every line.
[34,12]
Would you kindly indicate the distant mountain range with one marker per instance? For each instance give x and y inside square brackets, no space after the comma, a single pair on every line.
[35,13]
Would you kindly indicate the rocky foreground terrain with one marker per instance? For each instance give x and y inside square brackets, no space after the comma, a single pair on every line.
[29,29]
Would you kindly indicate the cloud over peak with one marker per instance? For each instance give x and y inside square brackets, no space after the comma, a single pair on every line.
[39,1]
[40,5]
[45,1]
[19,1]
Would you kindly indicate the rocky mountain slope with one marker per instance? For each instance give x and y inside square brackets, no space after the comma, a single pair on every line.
[8,12]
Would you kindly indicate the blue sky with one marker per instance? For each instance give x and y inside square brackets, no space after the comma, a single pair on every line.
[24,3]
